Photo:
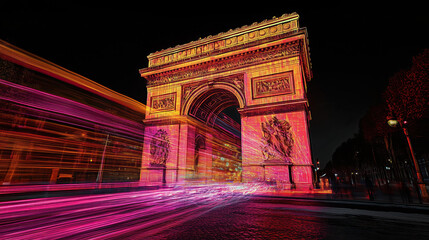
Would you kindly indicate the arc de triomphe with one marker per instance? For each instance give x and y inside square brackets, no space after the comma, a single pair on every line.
[262,69]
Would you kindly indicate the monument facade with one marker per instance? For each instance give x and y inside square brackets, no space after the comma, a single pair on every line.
[261,69]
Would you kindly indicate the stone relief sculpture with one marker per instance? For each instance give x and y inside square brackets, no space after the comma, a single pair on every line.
[272,85]
[277,85]
[277,140]
[159,148]
[166,102]
[163,103]
[210,67]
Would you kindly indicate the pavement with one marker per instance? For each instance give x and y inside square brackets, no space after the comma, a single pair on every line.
[276,218]
[214,211]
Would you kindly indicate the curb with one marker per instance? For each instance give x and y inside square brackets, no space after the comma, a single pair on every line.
[362,205]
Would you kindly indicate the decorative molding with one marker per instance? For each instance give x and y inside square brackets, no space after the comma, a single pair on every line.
[237,80]
[238,61]
[277,107]
[163,103]
[240,36]
[188,89]
[272,85]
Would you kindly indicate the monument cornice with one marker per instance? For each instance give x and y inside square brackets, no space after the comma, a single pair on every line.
[286,106]
[224,41]
[274,51]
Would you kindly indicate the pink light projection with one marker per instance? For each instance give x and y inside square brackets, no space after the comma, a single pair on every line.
[139,214]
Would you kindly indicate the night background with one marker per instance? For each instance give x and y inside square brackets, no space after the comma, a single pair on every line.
[354,49]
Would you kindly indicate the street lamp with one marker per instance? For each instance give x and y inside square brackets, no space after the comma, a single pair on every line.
[393,122]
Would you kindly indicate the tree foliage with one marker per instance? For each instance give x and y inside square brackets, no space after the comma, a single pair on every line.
[407,93]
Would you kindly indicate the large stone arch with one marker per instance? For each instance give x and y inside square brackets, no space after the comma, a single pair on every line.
[261,68]
[218,96]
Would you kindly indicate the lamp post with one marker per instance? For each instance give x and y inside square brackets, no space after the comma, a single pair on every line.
[423,194]
[316,170]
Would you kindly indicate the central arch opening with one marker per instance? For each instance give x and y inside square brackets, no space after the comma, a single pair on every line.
[217,108]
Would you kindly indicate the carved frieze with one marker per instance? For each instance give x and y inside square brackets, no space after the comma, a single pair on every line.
[163,103]
[238,61]
[272,85]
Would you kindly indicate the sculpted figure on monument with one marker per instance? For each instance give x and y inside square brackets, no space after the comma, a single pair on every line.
[159,148]
[277,140]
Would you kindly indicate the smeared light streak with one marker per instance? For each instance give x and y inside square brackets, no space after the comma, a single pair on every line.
[138,214]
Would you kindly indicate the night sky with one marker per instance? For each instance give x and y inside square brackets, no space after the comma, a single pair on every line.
[354,48]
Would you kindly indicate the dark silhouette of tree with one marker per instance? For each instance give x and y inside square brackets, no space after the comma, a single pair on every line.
[373,124]
[377,145]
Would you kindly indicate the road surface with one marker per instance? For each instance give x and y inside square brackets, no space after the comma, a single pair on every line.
[215,212]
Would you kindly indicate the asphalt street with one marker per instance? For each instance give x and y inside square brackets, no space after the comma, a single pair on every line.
[209,212]
[272,218]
